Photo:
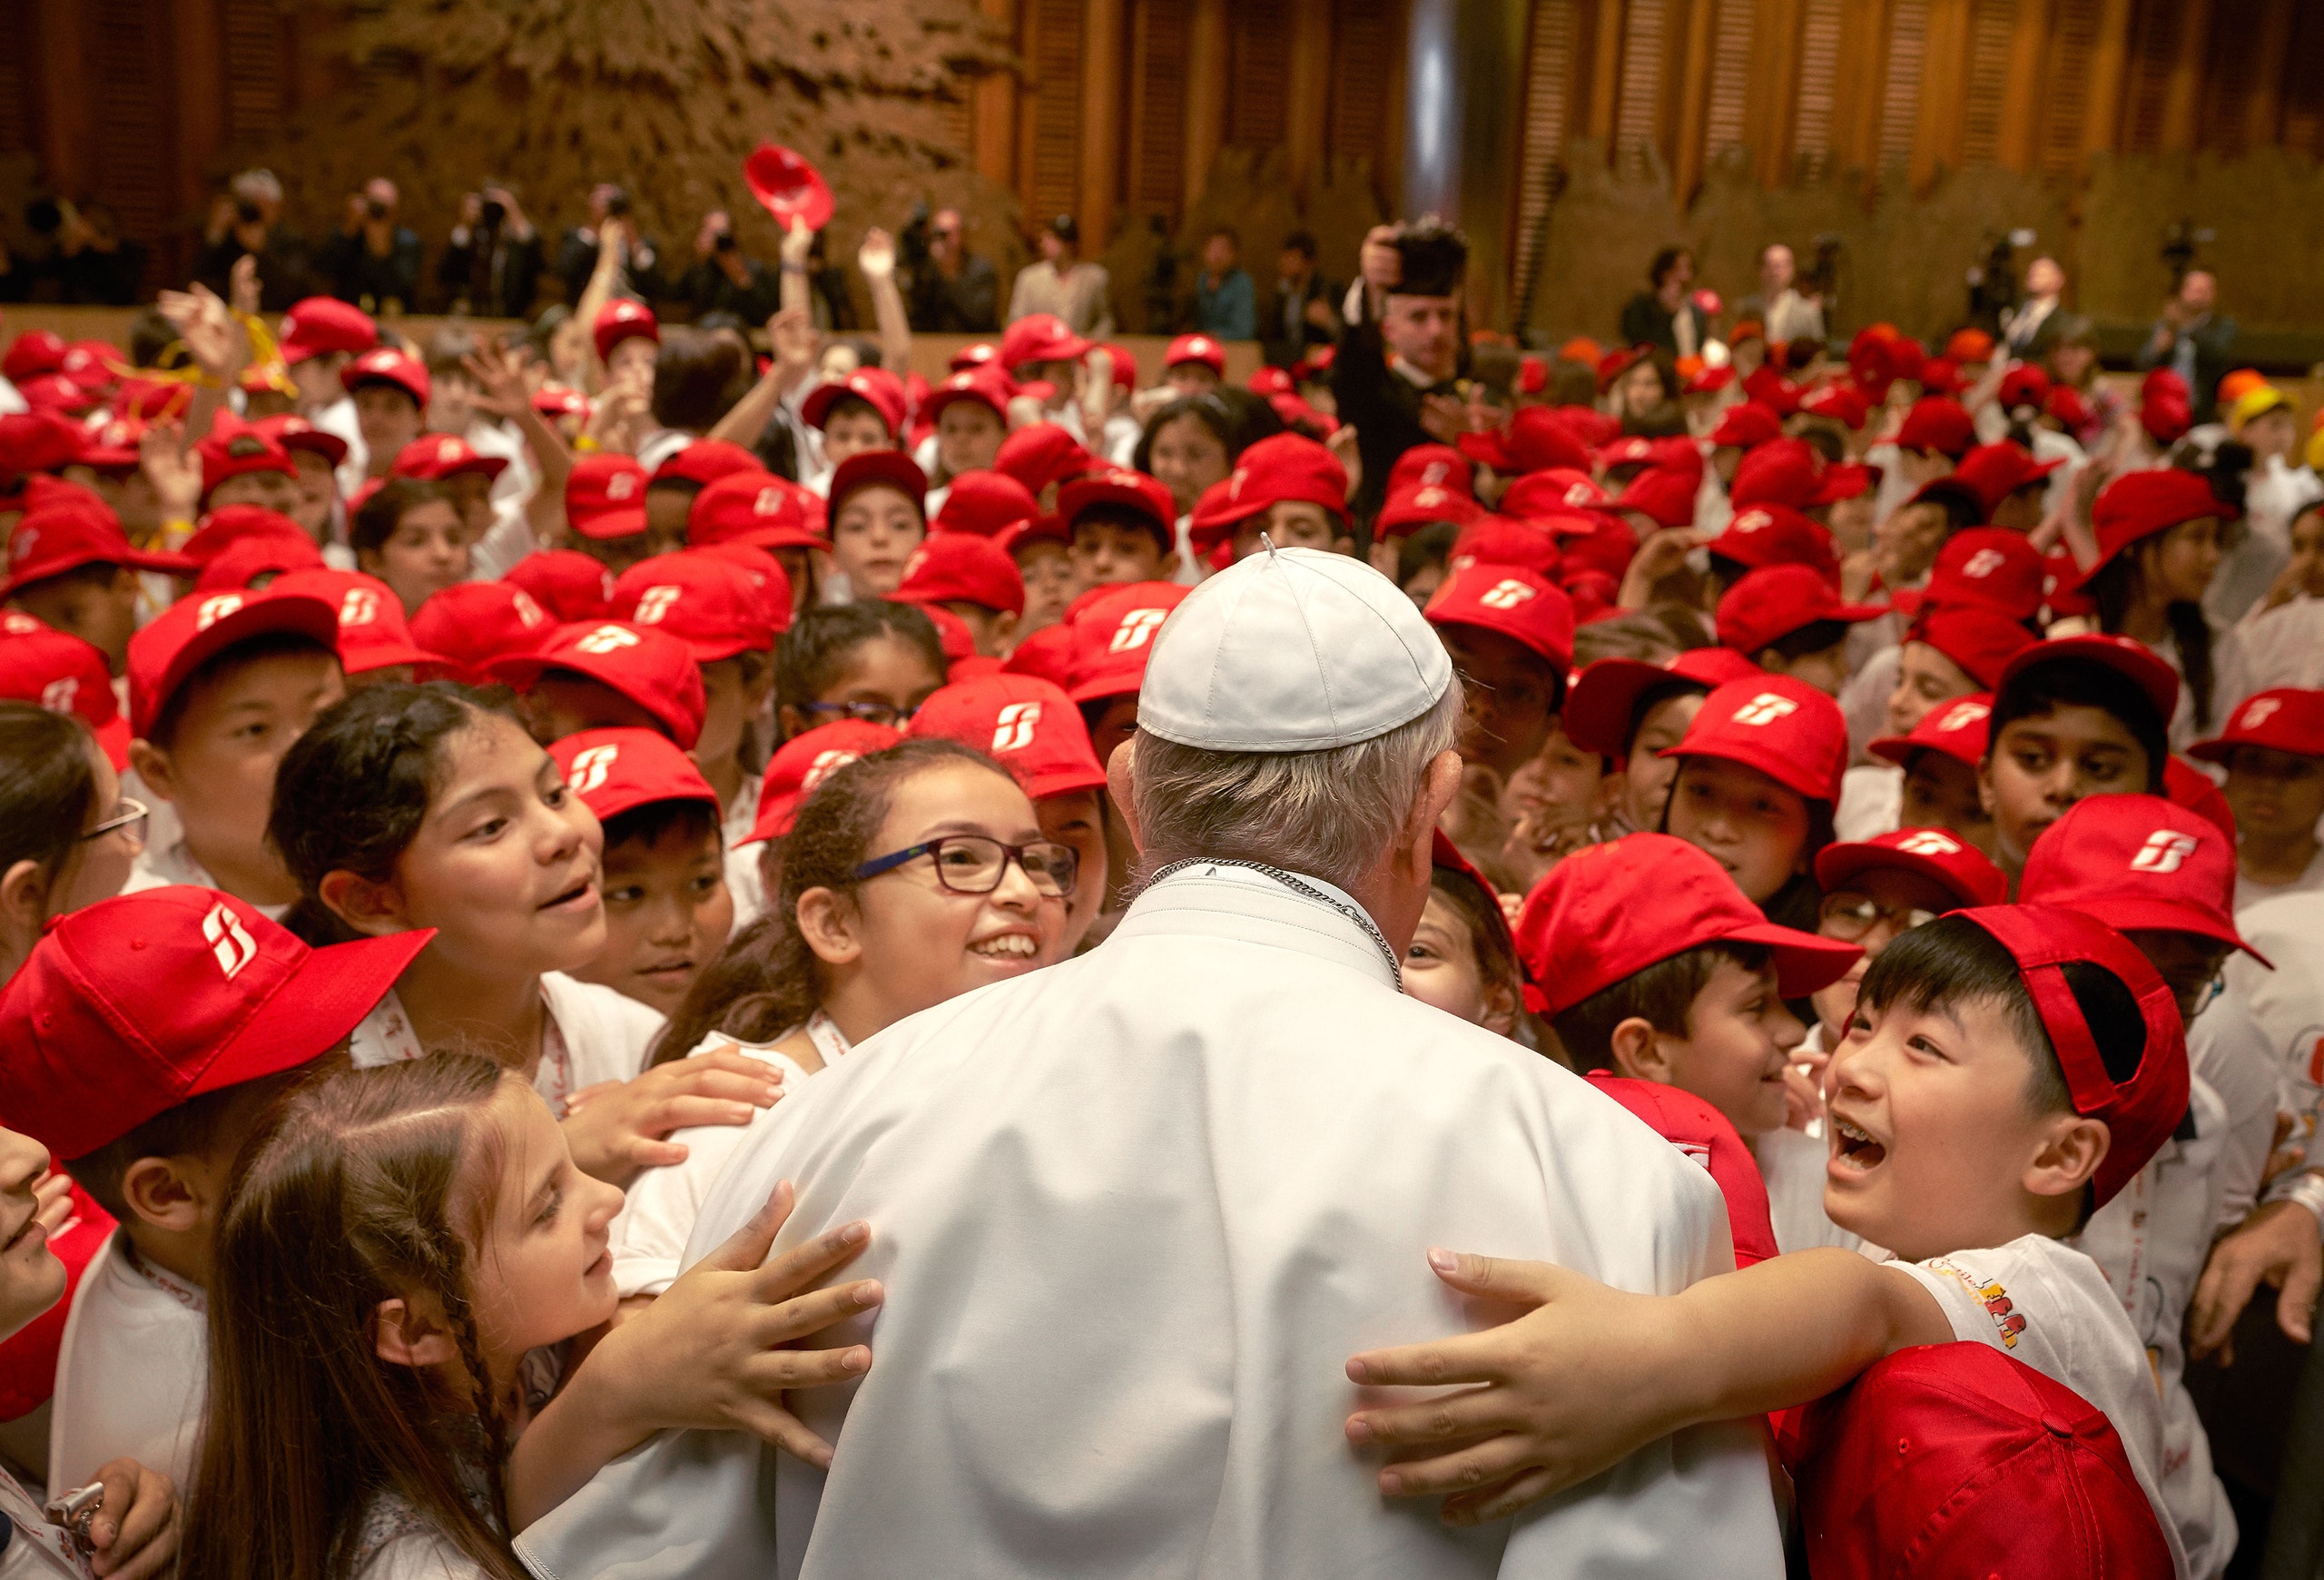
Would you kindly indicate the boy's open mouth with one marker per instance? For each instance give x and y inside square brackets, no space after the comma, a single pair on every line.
[1853,1147]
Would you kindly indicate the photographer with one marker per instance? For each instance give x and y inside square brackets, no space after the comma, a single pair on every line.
[953,290]
[1779,305]
[641,274]
[492,264]
[245,221]
[723,279]
[371,261]
[2193,342]
[1664,315]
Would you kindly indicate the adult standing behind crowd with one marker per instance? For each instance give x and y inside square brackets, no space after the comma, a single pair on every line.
[1664,315]
[492,265]
[955,291]
[724,278]
[1132,1211]
[1302,312]
[1394,376]
[2192,342]
[247,222]
[2031,328]
[1225,301]
[371,259]
[641,274]
[1080,293]
[1778,305]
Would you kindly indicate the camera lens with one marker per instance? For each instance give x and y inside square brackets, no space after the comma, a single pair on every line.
[246,211]
[494,211]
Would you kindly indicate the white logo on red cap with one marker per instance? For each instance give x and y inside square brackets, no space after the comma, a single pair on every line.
[606,639]
[20,624]
[1013,730]
[590,767]
[825,764]
[2164,851]
[212,610]
[1750,521]
[527,610]
[229,940]
[2256,712]
[360,606]
[768,503]
[654,603]
[621,485]
[912,565]
[25,538]
[1580,494]
[59,695]
[1766,708]
[1435,472]
[1137,629]
[1981,564]
[448,449]
[1505,595]
[1929,842]
[1961,715]
[1431,497]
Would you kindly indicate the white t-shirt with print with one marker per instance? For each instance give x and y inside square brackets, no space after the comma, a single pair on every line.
[2047,1305]
[132,1373]
[593,1034]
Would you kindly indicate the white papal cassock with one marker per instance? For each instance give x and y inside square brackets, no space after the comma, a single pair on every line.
[1134,1213]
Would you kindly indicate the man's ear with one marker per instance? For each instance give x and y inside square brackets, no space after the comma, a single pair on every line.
[827,920]
[1638,1050]
[152,765]
[2069,1156]
[413,1333]
[375,909]
[1437,789]
[1121,784]
[167,1194]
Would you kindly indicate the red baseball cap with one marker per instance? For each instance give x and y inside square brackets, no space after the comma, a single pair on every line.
[620,319]
[1559,491]
[1980,641]
[1120,487]
[1285,467]
[892,468]
[564,582]
[1846,480]
[1783,472]
[62,674]
[1608,911]
[1766,606]
[1537,438]
[2138,505]
[437,456]
[1039,454]
[1271,381]
[1961,869]
[322,324]
[652,668]
[1940,423]
[372,633]
[386,365]
[1113,637]
[1601,704]
[1768,534]
[240,563]
[1514,602]
[292,431]
[2188,788]
[1041,337]
[788,187]
[1948,1460]
[2126,655]
[127,1008]
[711,603]
[55,392]
[1996,472]
[617,770]
[39,441]
[114,447]
[1433,464]
[604,497]
[1745,426]
[1770,389]
[471,622]
[962,568]
[1046,655]
[1499,540]
[2141,1112]
[554,401]
[31,354]
[1196,348]
[1705,1136]
[1029,726]
[2142,864]
[2283,718]
[1663,495]
[756,508]
[876,387]
[705,461]
[1418,507]
[1991,567]
[1843,403]
[234,449]
[974,355]
[53,539]
[1957,729]
[986,504]
[805,761]
[190,631]
[989,386]
[1785,728]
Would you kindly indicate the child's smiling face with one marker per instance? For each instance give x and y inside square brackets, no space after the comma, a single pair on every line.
[1742,819]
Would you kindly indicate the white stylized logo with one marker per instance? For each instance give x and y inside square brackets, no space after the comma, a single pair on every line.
[1962,714]
[1983,564]
[2257,711]
[606,639]
[590,767]
[1137,629]
[2164,851]
[621,485]
[360,606]
[449,450]
[768,502]
[58,695]
[825,764]
[1929,842]
[1013,730]
[1580,494]
[212,610]
[229,940]
[654,603]
[1765,709]
[1506,594]
[527,610]
[25,538]
[1750,521]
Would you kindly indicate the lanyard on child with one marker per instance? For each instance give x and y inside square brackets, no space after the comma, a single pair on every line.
[830,1042]
[161,1279]
[385,1036]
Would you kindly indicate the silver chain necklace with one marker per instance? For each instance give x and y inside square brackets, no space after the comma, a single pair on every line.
[1297,885]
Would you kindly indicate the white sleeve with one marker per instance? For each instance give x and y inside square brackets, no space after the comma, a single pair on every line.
[1995,1297]
[420,1555]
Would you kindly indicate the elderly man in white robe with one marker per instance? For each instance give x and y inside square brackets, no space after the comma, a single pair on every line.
[1133,1213]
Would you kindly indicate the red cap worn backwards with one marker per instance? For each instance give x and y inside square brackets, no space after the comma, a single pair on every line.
[619,320]
[1113,637]
[960,568]
[875,386]
[617,770]
[388,366]
[129,1007]
[372,634]
[712,603]
[1785,728]
[1980,641]
[1940,423]
[1745,426]
[322,324]
[471,622]
[1961,869]
[2140,1113]
[652,668]
[2282,719]
[756,508]
[437,456]
[1028,726]
[2142,864]
[986,503]
[705,461]
[1196,348]
[1766,606]
[1512,602]
[1601,703]
[64,674]
[51,540]
[1957,728]
[1948,1460]
[1039,454]
[1609,911]
[568,584]
[604,497]
[2127,656]
[805,761]
[1765,535]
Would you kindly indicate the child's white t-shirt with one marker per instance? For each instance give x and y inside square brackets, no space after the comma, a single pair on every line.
[593,1034]
[2047,1305]
[132,1371]
[160,867]
[417,1551]
[2249,893]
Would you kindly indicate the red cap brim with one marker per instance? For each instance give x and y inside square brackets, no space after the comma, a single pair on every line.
[317,1006]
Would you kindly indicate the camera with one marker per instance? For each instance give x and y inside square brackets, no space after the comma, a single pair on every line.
[616,204]
[375,208]
[723,241]
[494,211]
[246,211]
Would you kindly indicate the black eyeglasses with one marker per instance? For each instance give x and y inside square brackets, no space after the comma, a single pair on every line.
[878,713]
[128,820]
[1849,916]
[971,864]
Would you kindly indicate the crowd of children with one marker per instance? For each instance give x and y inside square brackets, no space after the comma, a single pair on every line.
[447,803]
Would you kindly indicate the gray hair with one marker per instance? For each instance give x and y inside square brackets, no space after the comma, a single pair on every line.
[1328,815]
[258,186]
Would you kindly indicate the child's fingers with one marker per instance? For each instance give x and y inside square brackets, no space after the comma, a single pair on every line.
[148,1543]
[801,1265]
[747,1247]
[1477,1465]
[646,1152]
[659,1116]
[1516,1283]
[781,1370]
[2296,1306]
[1498,1503]
[731,1081]
[1440,1420]
[1470,1358]
[788,1432]
[812,1313]
[732,1060]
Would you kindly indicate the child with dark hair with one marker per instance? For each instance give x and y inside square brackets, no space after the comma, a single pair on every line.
[2159,548]
[2082,716]
[1759,771]
[409,535]
[1789,620]
[1463,957]
[2273,751]
[71,566]
[875,662]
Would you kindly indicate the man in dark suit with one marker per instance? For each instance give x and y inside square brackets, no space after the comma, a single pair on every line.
[1302,310]
[1397,375]
[2192,342]
[1665,316]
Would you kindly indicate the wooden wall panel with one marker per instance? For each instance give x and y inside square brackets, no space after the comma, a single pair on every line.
[1366,47]
[1819,59]
[1050,142]
[1638,102]
[1992,27]
[2153,43]
[2065,103]
[1724,124]
[2302,125]
[1552,62]
[1259,75]
[1900,106]
[1157,86]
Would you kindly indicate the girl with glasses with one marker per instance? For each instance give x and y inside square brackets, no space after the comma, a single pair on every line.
[913,875]
[872,662]
[67,839]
